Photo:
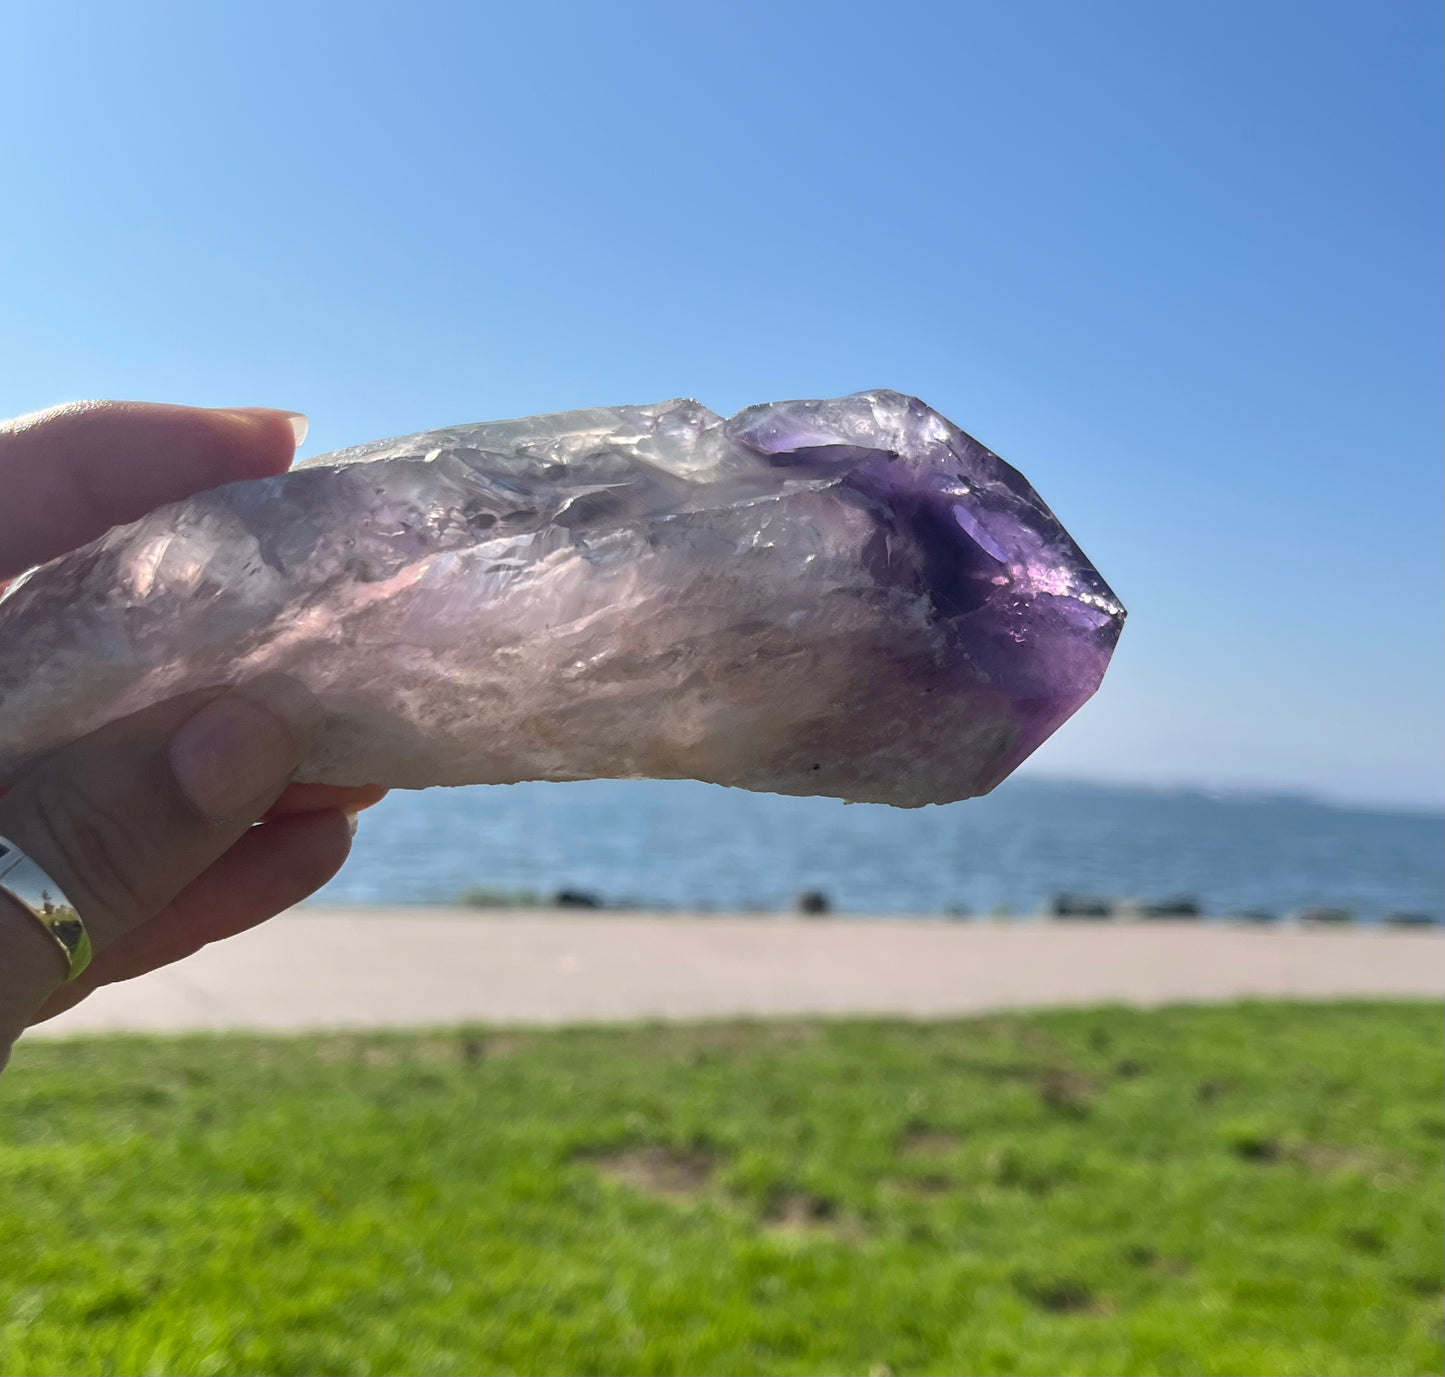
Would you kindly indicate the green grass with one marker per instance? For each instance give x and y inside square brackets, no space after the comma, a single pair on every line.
[1249,1190]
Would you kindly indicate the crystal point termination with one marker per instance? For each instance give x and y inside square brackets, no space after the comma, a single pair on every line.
[847,597]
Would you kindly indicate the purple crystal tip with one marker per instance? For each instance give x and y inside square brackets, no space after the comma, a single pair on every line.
[1016,608]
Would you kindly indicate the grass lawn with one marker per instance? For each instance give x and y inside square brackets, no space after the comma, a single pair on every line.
[1255,1189]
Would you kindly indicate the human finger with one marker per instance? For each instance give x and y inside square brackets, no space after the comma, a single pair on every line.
[125,818]
[74,471]
[272,867]
[315,798]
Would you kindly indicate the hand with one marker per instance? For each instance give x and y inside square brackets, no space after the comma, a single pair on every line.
[147,824]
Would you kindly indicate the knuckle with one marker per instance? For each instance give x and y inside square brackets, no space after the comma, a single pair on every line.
[91,849]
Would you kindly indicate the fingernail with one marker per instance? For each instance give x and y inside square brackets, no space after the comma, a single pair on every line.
[295,419]
[233,757]
[351,821]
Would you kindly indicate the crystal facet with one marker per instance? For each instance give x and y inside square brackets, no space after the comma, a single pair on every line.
[848,597]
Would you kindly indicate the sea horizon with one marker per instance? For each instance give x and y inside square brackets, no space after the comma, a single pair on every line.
[652,844]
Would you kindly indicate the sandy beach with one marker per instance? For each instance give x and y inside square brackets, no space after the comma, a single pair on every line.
[371,968]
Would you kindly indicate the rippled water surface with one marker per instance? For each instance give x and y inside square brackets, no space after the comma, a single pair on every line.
[679,844]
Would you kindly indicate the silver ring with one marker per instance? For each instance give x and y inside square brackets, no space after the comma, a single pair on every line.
[45,901]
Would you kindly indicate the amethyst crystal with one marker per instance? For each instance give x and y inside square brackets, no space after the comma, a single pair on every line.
[845,597]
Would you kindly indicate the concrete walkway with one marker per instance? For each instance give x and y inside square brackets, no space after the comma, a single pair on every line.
[333,968]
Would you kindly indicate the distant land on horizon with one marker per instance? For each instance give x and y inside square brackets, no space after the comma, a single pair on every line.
[1224,793]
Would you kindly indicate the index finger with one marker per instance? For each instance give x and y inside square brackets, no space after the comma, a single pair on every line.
[69,474]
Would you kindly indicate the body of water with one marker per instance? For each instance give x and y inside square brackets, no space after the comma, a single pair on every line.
[687,845]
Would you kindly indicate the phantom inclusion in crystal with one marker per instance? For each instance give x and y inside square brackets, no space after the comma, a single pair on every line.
[848,597]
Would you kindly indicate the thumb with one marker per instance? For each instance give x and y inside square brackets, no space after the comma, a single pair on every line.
[123,819]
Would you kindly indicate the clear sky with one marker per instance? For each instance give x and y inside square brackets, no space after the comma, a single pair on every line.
[1177,262]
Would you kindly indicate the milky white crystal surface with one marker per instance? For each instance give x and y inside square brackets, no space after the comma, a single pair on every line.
[847,597]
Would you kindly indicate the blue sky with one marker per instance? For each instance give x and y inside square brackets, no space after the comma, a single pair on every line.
[1178,262]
